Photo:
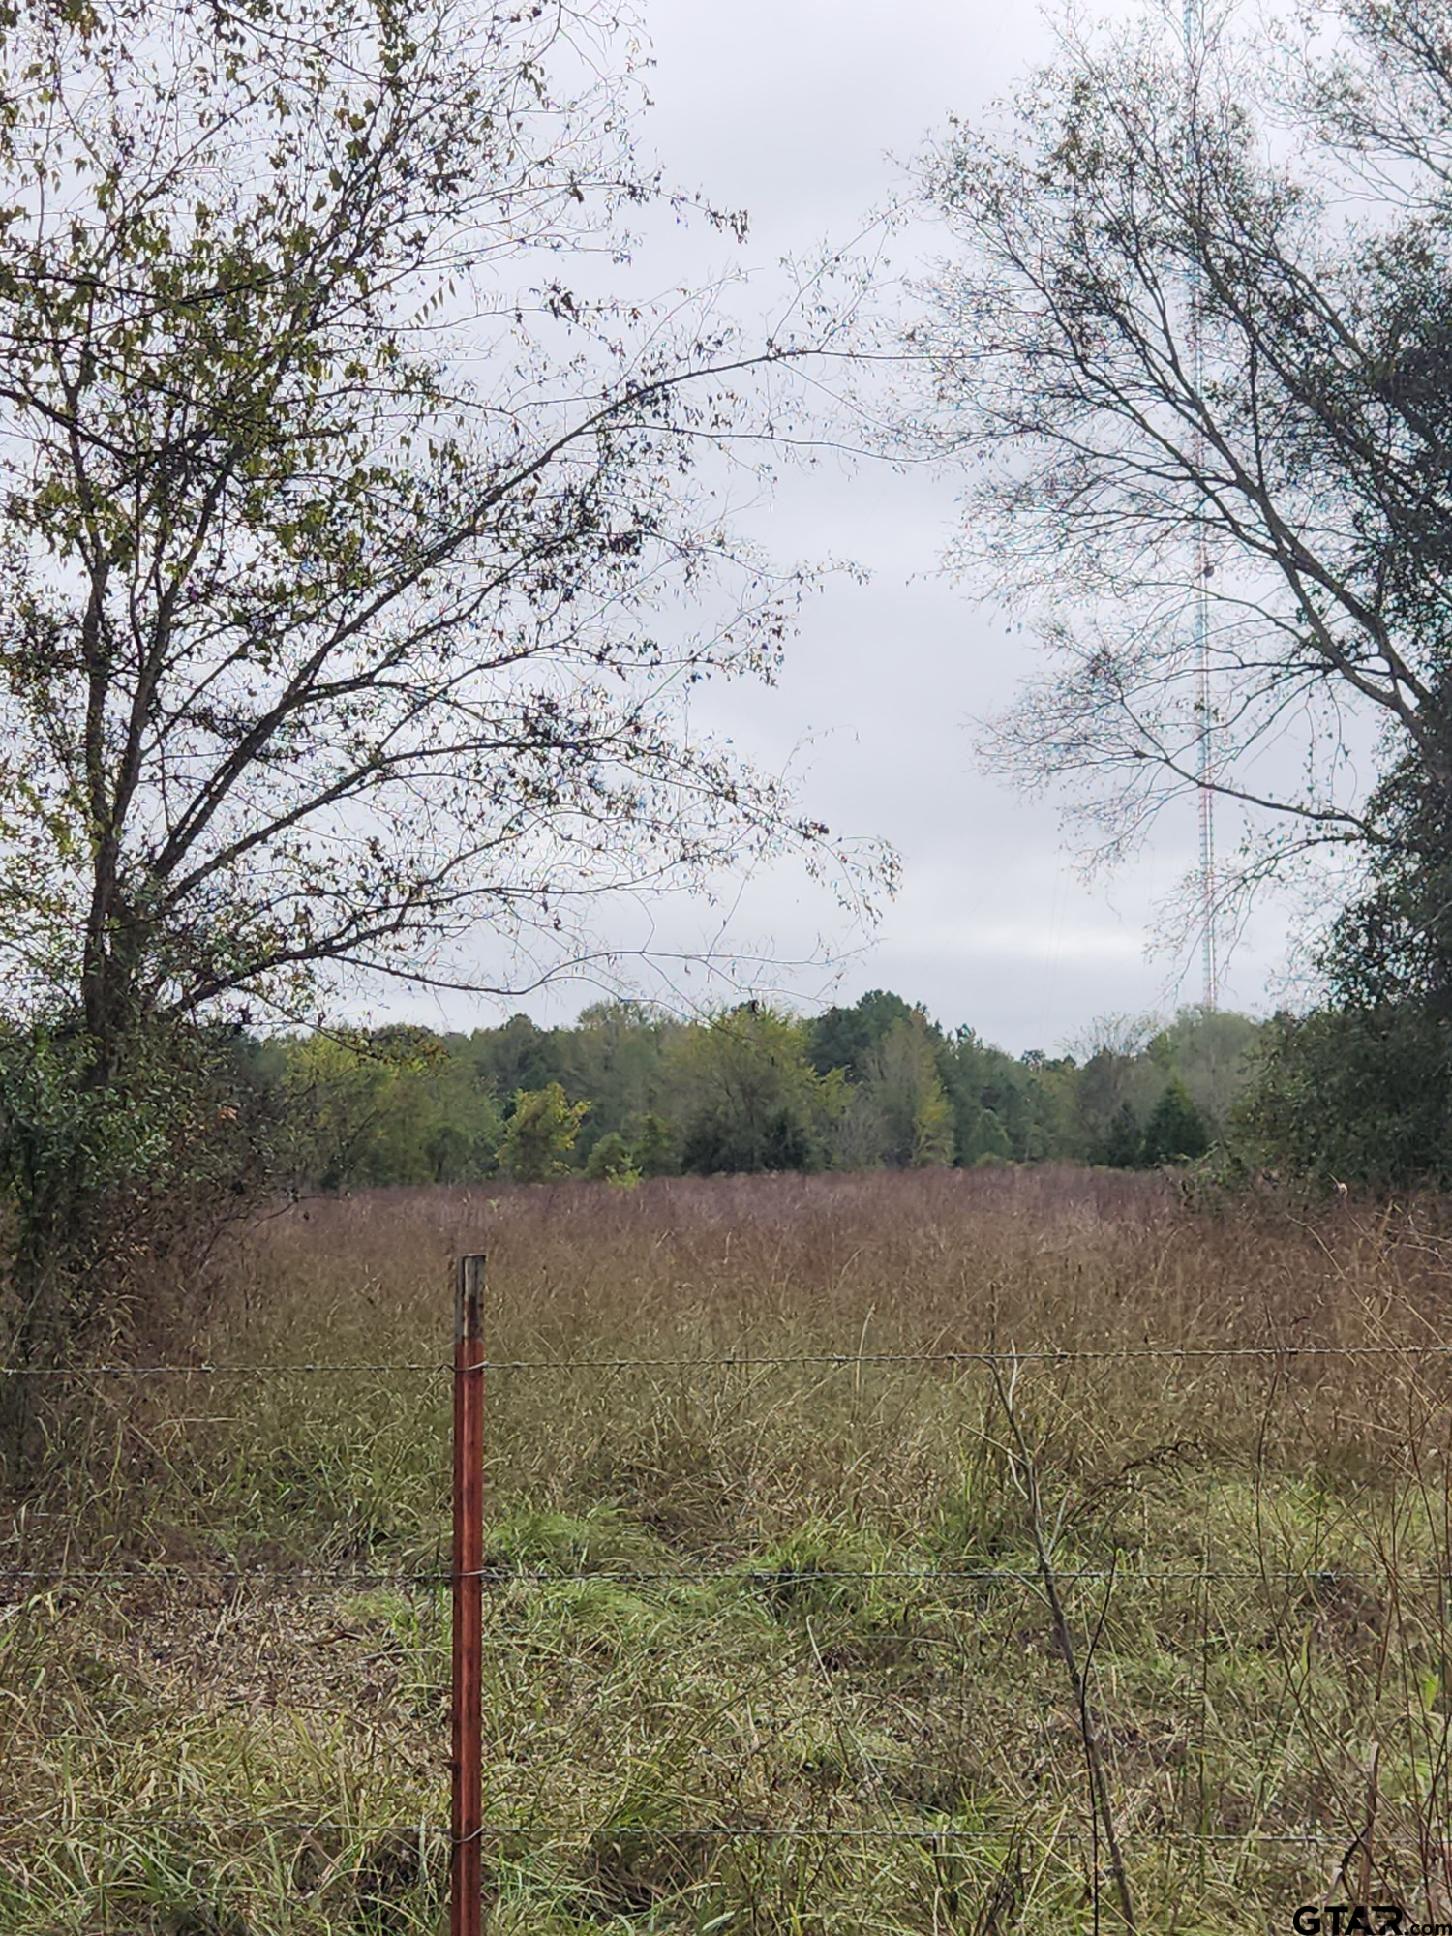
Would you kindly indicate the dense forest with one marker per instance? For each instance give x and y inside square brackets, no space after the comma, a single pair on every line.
[629,1091]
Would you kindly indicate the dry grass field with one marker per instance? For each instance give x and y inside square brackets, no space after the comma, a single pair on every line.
[771,1646]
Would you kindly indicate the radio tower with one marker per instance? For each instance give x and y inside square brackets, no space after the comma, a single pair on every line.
[1200,567]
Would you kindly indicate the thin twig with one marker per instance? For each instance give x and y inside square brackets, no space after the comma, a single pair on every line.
[1101,1807]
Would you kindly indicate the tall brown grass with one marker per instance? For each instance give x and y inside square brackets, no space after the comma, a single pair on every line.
[811,1599]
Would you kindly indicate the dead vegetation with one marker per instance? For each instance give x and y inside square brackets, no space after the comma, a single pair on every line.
[793,1587]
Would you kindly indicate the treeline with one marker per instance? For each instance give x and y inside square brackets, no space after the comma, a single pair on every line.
[629,1092]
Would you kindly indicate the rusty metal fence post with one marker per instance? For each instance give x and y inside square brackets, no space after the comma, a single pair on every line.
[466,1865]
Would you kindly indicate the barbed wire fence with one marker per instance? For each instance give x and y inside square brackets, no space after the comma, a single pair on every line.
[469,1576]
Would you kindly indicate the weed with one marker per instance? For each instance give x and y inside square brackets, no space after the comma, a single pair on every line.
[747,1571]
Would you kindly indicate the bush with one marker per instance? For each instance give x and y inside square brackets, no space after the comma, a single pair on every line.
[1176,1131]
[539,1138]
[612,1161]
[1360,1096]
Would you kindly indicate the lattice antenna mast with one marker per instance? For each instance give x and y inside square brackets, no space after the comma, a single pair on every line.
[1200,568]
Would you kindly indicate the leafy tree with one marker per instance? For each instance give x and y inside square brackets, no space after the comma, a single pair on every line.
[1393,941]
[859,1134]
[332,1101]
[933,1129]
[1358,1091]
[1176,1131]
[517,1055]
[654,1151]
[1356,1095]
[913,1111]
[1012,1108]
[843,1038]
[750,1098]
[1122,1144]
[614,1055]
[988,1140]
[1053,1128]
[1117,1086]
[396,1106]
[539,1138]
[341,530]
[1211,1051]
[612,1160]
[966,1068]
[176,1127]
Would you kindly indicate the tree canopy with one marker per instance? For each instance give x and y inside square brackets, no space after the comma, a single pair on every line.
[629,1092]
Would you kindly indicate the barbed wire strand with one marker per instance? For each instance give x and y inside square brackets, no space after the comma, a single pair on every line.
[757,1578]
[789,1831]
[833,1360]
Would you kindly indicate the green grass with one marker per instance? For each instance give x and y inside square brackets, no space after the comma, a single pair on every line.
[740,1597]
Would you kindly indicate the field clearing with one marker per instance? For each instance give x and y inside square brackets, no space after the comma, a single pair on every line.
[769,1646]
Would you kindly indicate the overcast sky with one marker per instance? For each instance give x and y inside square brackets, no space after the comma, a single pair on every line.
[803,112]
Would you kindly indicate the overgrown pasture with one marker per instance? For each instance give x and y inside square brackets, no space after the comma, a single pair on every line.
[783,1596]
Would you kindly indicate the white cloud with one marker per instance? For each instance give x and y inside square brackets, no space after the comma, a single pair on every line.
[792,107]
